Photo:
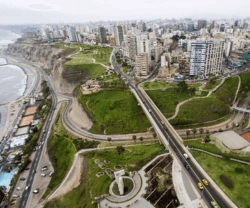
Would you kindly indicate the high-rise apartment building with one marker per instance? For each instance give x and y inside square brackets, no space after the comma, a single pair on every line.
[142,64]
[201,24]
[102,35]
[206,58]
[131,44]
[72,34]
[119,32]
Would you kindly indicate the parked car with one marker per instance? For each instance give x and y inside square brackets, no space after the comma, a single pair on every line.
[51,173]
[44,168]
[43,175]
[36,191]
[19,188]
[15,196]
[22,179]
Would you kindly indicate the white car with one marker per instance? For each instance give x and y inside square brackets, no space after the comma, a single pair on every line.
[36,191]
[27,187]
[19,188]
[15,196]
[43,174]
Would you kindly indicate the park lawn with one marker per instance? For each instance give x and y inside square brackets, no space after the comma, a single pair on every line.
[210,86]
[167,100]
[69,49]
[156,85]
[245,86]
[82,72]
[114,112]
[236,172]
[226,92]
[61,151]
[91,186]
[200,110]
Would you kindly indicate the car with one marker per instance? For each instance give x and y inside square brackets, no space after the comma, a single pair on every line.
[186,156]
[36,191]
[205,181]
[13,201]
[44,168]
[149,110]
[51,173]
[15,196]
[43,175]
[22,179]
[200,185]
[186,166]
[27,168]
[214,204]
[19,188]
[27,187]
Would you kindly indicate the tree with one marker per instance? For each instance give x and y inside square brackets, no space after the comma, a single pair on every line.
[207,131]
[188,133]
[194,130]
[141,139]
[120,150]
[182,86]
[154,135]
[134,138]
[201,130]
[109,140]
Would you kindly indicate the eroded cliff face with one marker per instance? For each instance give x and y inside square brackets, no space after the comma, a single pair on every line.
[47,57]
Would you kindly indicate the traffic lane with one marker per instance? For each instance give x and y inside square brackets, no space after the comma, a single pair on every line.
[197,176]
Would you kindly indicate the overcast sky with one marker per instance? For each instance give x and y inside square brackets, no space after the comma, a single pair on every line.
[56,11]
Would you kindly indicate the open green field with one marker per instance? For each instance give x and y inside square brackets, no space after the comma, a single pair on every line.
[166,100]
[245,86]
[237,173]
[62,147]
[61,152]
[202,110]
[68,48]
[114,112]
[82,72]
[156,85]
[91,186]
[226,92]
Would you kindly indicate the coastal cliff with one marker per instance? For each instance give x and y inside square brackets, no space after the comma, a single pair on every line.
[49,58]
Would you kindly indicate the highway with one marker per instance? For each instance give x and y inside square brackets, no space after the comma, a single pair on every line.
[43,137]
[209,193]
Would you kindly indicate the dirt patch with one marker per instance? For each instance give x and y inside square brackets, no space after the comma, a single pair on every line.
[226,181]
[78,116]
[246,136]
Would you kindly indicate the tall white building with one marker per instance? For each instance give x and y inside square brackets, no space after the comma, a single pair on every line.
[142,64]
[72,34]
[119,31]
[131,45]
[206,58]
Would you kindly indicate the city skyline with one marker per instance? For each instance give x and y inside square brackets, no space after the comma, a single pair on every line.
[38,12]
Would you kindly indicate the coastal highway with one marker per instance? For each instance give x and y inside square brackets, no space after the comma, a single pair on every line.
[43,137]
[33,88]
[209,193]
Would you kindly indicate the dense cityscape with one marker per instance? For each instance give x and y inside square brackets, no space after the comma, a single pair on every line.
[135,113]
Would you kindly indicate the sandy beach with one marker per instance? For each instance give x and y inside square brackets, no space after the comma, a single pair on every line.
[9,111]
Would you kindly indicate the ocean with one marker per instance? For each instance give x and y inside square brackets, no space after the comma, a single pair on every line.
[12,78]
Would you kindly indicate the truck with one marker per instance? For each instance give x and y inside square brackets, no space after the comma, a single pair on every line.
[186,156]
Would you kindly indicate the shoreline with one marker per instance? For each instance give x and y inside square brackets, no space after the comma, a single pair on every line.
[9,110]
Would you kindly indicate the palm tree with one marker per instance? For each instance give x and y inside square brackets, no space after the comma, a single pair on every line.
[141,139]
[201,130]
[194,130]
[109,140]
[134,138]
[188,133]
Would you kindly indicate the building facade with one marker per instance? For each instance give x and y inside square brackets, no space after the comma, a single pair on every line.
[142,64]
[119,32]
[206,58]
[102,35]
